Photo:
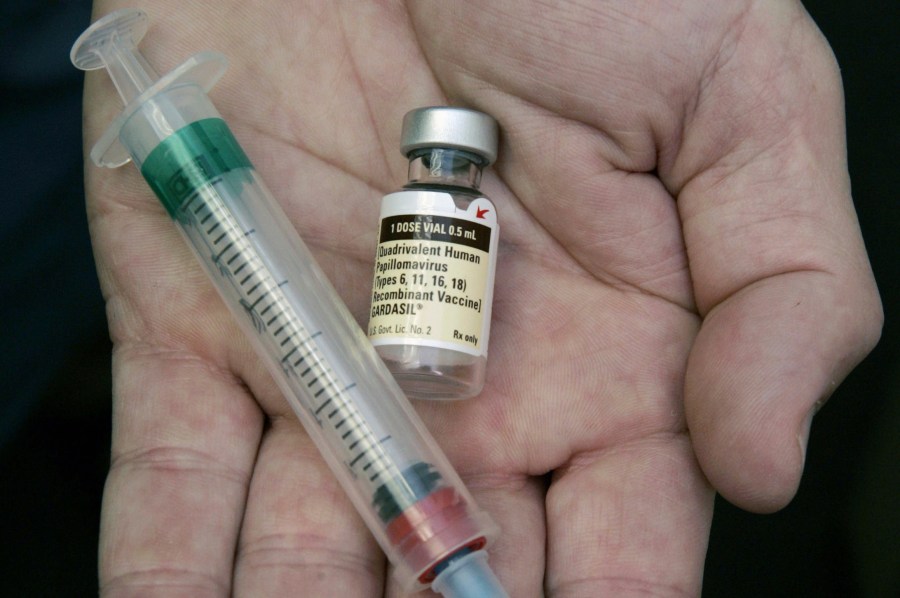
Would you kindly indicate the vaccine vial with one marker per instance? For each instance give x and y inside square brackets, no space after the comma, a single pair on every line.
[430,316]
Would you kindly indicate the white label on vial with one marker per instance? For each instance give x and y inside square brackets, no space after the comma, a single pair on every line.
[434,272]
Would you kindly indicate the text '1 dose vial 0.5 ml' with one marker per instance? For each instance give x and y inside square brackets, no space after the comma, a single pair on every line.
[434,268]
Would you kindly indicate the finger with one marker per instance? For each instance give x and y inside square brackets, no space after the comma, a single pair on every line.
[762,365]
[184,442]
[778,265]
[300,532]
[629,521]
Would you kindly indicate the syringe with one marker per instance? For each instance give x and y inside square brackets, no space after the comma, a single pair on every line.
[396,476]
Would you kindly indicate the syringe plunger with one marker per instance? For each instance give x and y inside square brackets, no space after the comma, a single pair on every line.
[111,43]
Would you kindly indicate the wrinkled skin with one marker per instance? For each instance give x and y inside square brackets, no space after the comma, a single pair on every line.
[681,285]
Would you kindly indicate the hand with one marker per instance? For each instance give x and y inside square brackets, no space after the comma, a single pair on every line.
[681,284]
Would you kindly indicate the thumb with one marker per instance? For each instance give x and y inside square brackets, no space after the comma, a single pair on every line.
[780,273]
[763,363]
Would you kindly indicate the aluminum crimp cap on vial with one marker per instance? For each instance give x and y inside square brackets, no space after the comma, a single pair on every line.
[449,127]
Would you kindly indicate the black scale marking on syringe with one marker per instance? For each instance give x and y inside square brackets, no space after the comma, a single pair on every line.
[261,295]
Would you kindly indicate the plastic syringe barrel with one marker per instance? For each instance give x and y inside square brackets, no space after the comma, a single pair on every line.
[398,479]
[392,470]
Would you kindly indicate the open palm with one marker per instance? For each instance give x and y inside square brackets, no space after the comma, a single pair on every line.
[681,283]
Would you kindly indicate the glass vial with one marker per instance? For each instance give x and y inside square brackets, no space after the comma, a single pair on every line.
[437,249]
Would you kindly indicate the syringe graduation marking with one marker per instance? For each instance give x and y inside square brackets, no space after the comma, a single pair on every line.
[237,258]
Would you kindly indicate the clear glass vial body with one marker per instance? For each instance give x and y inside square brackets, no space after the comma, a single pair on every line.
[427,369]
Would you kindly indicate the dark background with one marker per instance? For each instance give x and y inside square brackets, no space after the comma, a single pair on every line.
[840,537]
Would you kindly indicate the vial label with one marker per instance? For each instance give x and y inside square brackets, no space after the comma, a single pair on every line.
[434,272]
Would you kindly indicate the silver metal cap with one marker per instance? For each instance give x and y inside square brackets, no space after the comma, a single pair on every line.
[445,126]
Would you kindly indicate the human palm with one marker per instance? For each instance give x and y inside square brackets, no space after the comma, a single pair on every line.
[681,282]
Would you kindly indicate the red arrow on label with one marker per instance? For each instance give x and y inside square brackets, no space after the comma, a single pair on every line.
[480,212]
